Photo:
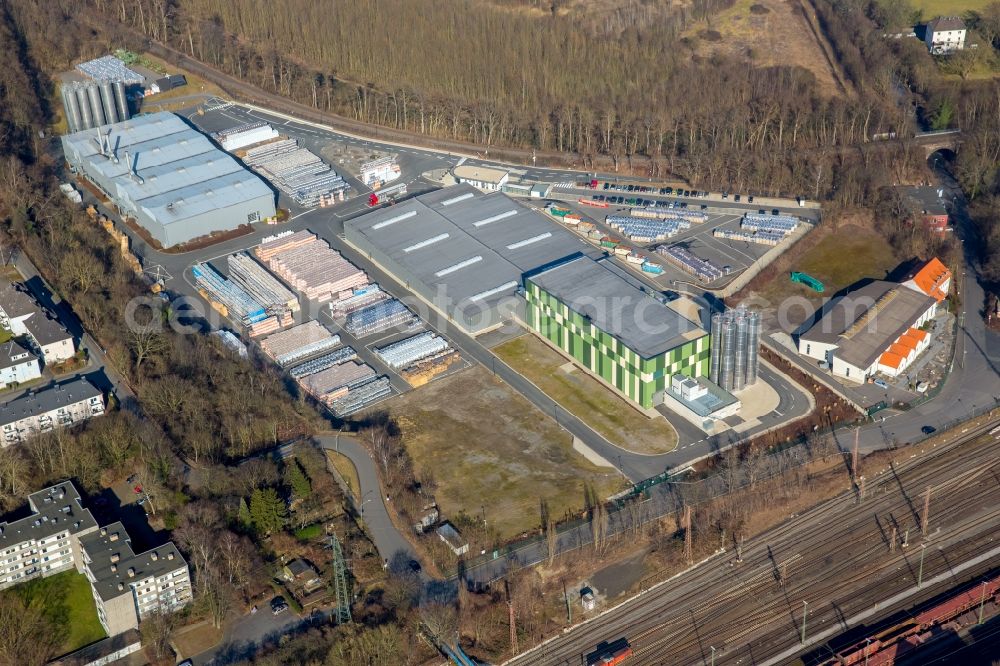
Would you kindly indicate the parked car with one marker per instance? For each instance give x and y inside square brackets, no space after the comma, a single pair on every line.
[928,430]
[414,566]
[880,383]
[607,185]
[736,198]
[775,211]
[725,195]
[278,605]
[750,199]
[704,206]
[668,190]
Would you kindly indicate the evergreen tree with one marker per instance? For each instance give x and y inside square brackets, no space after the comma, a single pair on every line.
[267,510]
[243,513]
[297,480]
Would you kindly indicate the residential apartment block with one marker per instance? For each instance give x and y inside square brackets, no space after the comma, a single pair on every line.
[23,316]
[58,406]
[17,365]
[60,534]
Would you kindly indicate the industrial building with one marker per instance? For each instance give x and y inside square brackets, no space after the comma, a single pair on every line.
[484,178]
[463,251]
[873,329]
[614,328]
[60,534]
[169,178]
[735,348]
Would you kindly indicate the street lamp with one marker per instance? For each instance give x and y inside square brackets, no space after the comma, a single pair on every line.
[364,501]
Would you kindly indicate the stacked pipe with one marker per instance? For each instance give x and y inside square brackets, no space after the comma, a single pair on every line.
[297,171]
[379,317]
[680,257]
[323,362]
[337,380]
[237,301]
[681,213]
[759,237]
[360,397]
[256,281]
[299,342]
[406,352]
[361,298]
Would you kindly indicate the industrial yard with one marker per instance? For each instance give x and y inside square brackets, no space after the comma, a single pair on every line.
[707,246]
[487,448]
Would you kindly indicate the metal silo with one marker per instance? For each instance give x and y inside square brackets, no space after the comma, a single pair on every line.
[86,116]
[727,355]
[108,102]
[73,117]
[739,350]
[96,108]
[715,348]
[120,100]
[753,347]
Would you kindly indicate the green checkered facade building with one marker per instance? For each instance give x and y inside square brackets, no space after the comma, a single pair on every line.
[638,377]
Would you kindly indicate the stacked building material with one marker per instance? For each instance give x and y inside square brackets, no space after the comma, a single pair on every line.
[110,68]
[323,362]
[361,397]
[296,170]
[334,382]
[652,212]
[777,224]
[299,342]
[647,230]
[264,287]
[264,327]
[361,297]
[429,368]
[406,352]
[378,317]
[379,171]
[679,256]
[286,240]
[318,271]
[231,342]
[236,301]
[242,136]
[759,237]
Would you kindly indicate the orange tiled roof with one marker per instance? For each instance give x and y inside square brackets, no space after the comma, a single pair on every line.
[930,278]
[890,360]
[901,348]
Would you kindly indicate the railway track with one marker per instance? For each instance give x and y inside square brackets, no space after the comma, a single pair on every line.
[820,556]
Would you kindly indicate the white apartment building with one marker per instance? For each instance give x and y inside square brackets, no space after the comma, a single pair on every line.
[48,540]
[128,587]
[59,534]
[17,365]
[23,316]
[57,406]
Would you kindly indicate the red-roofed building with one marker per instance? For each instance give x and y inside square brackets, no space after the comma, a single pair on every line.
[932,278]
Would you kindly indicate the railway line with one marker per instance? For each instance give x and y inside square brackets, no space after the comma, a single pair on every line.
[836,557]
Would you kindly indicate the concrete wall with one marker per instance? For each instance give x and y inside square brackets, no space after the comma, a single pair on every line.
[221,219]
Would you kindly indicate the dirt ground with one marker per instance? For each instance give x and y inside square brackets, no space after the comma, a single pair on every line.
[770,32]
[586,398]
[487,448]
[349,158]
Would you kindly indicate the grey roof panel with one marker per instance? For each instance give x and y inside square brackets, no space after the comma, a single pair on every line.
[111,558]
[54,509]
[47,399]
[617,306]
[9,350]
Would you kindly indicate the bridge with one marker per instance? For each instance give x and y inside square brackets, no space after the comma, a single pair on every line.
[947,139]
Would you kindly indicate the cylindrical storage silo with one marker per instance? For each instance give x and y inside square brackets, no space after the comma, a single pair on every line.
[753,347]
[108,102]
[73,118]
[96,107]
[120,100]
[740,354]
[727,355]
[86,116]
[716,348]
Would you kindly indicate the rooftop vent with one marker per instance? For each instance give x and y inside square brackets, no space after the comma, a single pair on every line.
[114,537]
[104,531]
[121,586]
[115,557]
[131,572]
[170,556]
[154,556]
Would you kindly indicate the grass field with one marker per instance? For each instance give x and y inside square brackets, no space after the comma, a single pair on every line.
[933,8]
[487,447]
[587,398]
[838,260]
[346,468]
[68,604]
